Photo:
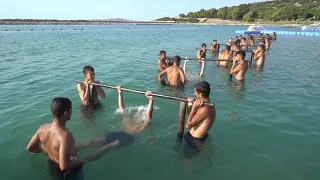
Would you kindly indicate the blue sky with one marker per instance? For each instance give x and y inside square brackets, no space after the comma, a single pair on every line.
[104,9]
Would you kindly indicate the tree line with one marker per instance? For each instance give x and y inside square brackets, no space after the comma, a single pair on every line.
[277,10]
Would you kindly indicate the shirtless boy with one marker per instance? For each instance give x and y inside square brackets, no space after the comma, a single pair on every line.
[202,52]
[176,75]
[259,55]
[200,120]
[239,66]
[214,46]
[226,56]
[89,93]
[55,139]
[163,61]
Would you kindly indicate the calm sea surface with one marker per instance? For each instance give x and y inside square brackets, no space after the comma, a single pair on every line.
[268,128]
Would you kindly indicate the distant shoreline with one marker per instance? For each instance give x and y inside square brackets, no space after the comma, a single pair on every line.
[111,22]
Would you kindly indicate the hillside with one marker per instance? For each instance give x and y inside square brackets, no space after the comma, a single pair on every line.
[277,10]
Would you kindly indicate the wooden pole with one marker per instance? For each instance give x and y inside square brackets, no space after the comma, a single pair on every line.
[143,92]
[183,109]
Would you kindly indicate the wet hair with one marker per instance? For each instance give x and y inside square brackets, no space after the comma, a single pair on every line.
[162,52]
[262,47]
[243,38]
[214,40]
[236,42]
[177,59]
[228,48]
[203,87]
[242,53]
[60,105]
[87,68]
[203,45]
[236,37]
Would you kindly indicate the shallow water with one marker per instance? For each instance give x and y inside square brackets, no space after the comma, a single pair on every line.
[268,128]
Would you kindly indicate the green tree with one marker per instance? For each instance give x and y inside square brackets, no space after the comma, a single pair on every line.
[182,15]
[222,13]
[251,16]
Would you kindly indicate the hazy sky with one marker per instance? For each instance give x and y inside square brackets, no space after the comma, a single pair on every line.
[104,9]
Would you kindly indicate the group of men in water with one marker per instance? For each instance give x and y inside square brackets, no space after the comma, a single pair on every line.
[58,143]
[235,52]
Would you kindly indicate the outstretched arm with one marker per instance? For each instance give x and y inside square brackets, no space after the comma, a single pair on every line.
[150,105]
[120,98]
[202,68]
[185,65]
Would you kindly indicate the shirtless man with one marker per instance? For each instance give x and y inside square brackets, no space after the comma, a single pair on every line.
[214,46]
[163,61]
[267,43]
[243,43]
[250,40]
[56,140]
[229,43]
[225,55]
[118,139]
[236,46]
[202,52]
[241,67]
[200,119]
[89,93]
[274,36]
[259,55]
[174,74]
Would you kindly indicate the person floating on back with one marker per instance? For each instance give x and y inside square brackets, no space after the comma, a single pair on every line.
[163,61]
[175,74]
[200,119]
[225,56]
[56,140]
[239,66]
[118,139]
[89,93]
[259,55]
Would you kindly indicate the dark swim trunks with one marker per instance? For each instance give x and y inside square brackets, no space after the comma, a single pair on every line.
[57,174]
[192,144]
[124,138]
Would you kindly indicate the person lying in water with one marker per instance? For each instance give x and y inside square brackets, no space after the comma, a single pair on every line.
[56,140]
[175,74]
[118,139]
[89,93]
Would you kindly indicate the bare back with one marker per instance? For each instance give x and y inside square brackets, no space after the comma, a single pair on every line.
[226,55]
[201,129]
[243,70]
[51,136]
[174,75]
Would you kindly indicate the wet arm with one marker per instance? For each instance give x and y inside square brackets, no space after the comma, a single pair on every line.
[185,66]
[84,94]
[161,65]
[65,153]
[34,144]
[202,68]
[161,74]
[235,70]
[183,77]
[150,109]
[100,91]
[120,101]
[195,117]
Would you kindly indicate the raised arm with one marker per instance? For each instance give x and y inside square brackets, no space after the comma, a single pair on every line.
[34,144]
[202,68]
[120,98]
[185,65]
[235,70]
[83,92]
[257,55]
[100,91]
[65,163]
[150,105]
[161,74]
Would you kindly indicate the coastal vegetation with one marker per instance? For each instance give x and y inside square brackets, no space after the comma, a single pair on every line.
[277,10]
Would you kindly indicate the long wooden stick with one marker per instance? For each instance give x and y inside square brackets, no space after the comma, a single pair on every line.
[143,92]
[209,50]
[211,59]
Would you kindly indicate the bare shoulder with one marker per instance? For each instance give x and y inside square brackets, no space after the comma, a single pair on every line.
[80,86]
